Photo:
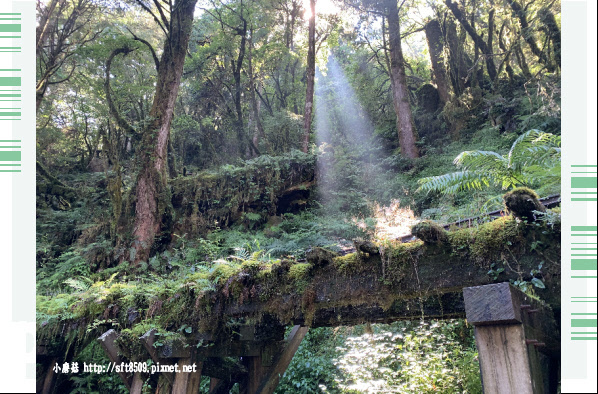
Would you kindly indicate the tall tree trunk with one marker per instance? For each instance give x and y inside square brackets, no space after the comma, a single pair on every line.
[457,61]
[153,209]
[43,28]
[553,32]
[405,124]
[172,172]
[255,110]
[477,39]
[436,47]
[311,75]
[237,66]
[527,32]
[522,63]
[507,51]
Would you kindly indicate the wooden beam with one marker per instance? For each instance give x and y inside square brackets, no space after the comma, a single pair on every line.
[50,377]
[188,377]
[517,339]
[137,383]
[107,342]
[181,349]
[255,376]
[214,382]
[220,386]
[504,363]
[229,368]
[148,340]
[270,381]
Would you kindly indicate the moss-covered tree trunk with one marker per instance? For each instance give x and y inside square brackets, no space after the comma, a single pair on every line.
[436,47]
[526,32]
[311,74]
[405,124]
[553,32]
[486,48]
[255,105]
[457,61]
[151,196]
[237,67]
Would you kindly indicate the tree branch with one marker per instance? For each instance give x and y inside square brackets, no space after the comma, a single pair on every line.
[151,48]
[120,121]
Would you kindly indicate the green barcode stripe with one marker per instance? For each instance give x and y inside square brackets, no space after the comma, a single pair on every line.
[588,182]
[10,28]
[583,264]
[10,81]
[584,323]
[10,156]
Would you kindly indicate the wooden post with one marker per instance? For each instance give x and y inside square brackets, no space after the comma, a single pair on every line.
[187,381]
[137,384]
[220,386]
[49,377]
[214,382]
[256,373]
[107,341]
[516,337]
[271,379]
[148,340]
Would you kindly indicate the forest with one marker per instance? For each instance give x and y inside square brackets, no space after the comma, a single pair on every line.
[209,166]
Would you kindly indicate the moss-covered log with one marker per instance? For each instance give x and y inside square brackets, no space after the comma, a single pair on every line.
[263,186]
[398,281]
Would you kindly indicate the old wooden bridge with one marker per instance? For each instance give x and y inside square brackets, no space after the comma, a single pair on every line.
[447,275]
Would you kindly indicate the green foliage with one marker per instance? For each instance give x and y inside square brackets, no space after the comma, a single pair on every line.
[429,232]
[95,383]
[406,357]
[482,169]
[224,210]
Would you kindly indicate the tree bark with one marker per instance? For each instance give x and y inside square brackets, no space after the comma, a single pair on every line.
[457,66]
[527,33]
[507,59]
[553,32]
[255,107]
[405,124]
[477,39]
[237,66]
[311,74]
[153,210]
[436,47]
[522,63]
[60,33]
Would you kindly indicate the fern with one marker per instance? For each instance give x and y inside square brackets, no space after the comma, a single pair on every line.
[80,284]
[519,167]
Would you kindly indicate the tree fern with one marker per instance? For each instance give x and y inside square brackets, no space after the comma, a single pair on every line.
[482,169]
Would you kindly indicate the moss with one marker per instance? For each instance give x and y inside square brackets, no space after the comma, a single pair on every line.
[287,289]
[320,256]
[349,264]
[492,239]
[522,202]
[265,273]
[222,271]
[299,271]
[221,197]
[429,232]
[252,266]
[398,259]
[129,344]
